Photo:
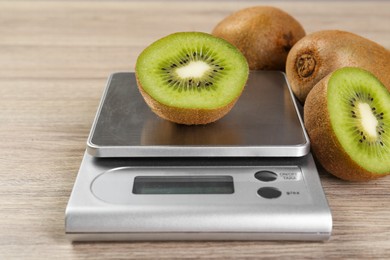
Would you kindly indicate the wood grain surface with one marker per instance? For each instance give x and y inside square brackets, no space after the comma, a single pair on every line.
[55,57]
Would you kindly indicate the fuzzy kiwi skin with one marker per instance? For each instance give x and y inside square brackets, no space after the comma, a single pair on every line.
[185,116]
[324,143]
[263,34]
[320,53]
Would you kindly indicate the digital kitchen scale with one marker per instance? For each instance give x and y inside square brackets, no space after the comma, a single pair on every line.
[248,176]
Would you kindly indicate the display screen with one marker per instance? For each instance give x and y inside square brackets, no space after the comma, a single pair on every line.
[183,185]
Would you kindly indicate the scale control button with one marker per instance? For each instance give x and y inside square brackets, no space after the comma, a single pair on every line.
[266,176]
[269,192]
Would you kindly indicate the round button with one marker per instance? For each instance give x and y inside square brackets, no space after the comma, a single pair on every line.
[266,176]
[269,192]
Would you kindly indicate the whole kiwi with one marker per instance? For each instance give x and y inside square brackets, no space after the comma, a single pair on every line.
[318,54]
[263,34]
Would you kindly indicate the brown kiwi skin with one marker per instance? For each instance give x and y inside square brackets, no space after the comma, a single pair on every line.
[184,115]
[320,53]
[263,34]
[324,143]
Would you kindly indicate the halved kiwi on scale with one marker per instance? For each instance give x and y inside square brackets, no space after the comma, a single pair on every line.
[191,77]
[347,117]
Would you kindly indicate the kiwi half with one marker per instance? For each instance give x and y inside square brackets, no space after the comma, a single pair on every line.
[191,77]
[347,117]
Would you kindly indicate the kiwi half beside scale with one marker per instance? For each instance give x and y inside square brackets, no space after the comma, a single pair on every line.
[191,78]
[347,117]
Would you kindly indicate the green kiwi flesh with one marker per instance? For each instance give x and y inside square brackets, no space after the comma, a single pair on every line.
[359,110]
[191,77]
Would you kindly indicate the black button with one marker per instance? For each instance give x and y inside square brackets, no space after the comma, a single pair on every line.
[269,192]
[266,176]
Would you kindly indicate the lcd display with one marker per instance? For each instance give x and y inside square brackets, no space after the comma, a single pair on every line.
[183,185]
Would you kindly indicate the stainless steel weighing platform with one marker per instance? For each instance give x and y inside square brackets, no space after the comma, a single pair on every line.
[248,176]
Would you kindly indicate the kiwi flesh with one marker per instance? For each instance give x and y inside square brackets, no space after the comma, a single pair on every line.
[264,34]
[320,53]
[347,117]
[191,77]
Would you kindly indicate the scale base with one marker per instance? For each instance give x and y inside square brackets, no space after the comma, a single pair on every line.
[103,207]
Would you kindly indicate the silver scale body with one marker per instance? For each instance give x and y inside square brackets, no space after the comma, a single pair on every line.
[262,134]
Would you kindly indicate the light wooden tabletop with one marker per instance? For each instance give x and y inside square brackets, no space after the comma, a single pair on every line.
[55,57]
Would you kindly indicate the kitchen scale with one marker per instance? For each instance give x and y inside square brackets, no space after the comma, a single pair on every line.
[248,176]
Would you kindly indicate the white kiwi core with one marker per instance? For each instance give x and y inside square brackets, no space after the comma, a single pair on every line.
[368,119]
[194,69]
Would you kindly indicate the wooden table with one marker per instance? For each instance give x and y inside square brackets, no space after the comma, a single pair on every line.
[55,57]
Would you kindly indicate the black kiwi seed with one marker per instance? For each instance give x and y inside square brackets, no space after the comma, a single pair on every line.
[221,68]
[215,70]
